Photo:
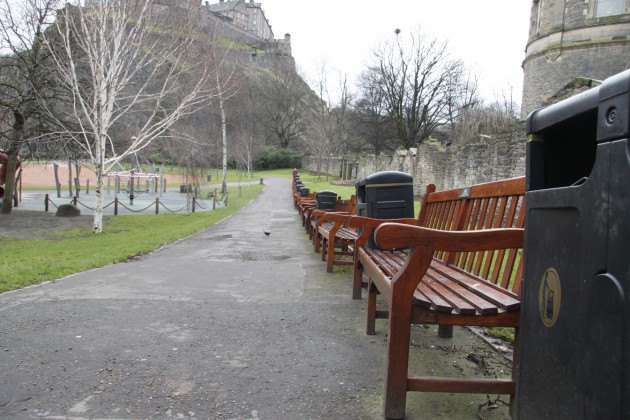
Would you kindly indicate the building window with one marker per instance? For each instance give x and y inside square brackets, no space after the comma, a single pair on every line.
[609,7]
[537,15]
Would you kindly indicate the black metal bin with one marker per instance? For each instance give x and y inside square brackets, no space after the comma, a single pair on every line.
[325,200]
[575,319]
[385,195]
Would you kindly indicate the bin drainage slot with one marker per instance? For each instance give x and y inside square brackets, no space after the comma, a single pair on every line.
[391,204]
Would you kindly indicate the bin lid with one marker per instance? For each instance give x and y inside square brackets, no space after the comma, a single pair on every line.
[327,193]
[607,105]
[386,178]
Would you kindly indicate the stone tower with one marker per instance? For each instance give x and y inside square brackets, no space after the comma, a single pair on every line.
[573,43]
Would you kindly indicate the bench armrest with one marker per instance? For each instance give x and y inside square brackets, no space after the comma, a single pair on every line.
[368,224]
[337,216]
[424,242]
[396,235]
[321,213]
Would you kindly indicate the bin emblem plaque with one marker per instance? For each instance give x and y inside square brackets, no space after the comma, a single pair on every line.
[549,297]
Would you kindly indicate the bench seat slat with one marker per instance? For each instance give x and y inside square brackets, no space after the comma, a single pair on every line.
[327,225]
[470,299]
[483,288]
[446,289]
[347,234]
[389,261]
[399,256]
[430,300]
[459,305]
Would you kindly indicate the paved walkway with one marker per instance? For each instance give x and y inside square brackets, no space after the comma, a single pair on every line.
[226,324]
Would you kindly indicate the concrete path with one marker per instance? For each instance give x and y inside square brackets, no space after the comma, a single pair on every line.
[226,324]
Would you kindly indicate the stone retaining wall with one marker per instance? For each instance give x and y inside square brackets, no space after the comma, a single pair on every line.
[488,159]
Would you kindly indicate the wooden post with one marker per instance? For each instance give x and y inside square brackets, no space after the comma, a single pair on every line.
[131,189]
[75,200]
[19,178]
[193,203]
[70,177]
[157,205]
[46,203]
[162,180]
[116,206]
[87,186]
[77,181]
[57,183]
[214,199]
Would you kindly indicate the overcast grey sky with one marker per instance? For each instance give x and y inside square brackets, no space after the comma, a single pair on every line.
[489,35]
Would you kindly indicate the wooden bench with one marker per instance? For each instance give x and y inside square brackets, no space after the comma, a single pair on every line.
[312,215]
[330,233]
[461,264]
[366,226]
[302,201]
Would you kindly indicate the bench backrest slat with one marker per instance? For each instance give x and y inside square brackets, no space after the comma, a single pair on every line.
[499,204]
[352,207]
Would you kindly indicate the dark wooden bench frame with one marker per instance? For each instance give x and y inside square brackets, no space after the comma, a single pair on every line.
[446,277]
[333,238]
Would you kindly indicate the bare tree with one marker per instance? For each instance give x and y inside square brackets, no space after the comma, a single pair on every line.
[23,76]
[244,149]
[121,59]
[224,77]
[329,129]
[285,94]
[462,98]
[498,116]
[416,78]
[369,120]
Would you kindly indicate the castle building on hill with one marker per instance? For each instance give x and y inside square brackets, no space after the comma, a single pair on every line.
[244,21]
[246,15]
[573,44]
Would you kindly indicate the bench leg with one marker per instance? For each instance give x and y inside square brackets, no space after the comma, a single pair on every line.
[445,331]
[397,358]
[324,246]
[370,328]
[330,255]
[515,365]
[357,282]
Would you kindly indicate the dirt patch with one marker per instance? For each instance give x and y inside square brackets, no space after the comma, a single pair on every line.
[44,176]
[28,224]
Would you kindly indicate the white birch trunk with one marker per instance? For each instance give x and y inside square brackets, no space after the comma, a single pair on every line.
[223,133]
